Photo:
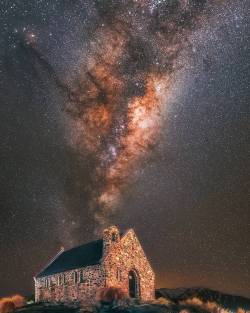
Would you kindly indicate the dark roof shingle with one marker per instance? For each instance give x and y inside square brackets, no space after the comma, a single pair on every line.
[84,255]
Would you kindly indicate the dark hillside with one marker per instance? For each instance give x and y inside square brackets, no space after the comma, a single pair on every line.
[143,308]
[230,302]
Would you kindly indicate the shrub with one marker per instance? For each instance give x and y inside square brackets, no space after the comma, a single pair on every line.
[110,298]
[209,306]
[110,295]
[18,300]
[7,305]
[161,301]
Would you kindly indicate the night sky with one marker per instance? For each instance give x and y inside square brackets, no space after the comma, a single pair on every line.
[134,113]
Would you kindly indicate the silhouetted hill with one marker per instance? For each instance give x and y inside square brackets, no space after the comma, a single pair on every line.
[182,295]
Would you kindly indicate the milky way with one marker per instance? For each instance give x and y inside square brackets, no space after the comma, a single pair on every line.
[121,93]
[117,102]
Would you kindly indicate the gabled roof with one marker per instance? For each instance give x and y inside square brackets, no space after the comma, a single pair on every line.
[81,256]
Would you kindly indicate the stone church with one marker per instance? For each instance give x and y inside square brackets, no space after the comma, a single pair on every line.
[114,260]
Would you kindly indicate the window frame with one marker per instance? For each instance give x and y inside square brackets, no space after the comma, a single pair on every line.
[75,277]
[59,280]
[113,236]
[81,277]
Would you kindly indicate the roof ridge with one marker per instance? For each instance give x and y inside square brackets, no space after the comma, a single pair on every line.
[84,244]
[61,251]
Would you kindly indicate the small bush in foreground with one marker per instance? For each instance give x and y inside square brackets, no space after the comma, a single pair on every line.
[8,305]
[18,300]
[109,298]
[161,301]
[110,295]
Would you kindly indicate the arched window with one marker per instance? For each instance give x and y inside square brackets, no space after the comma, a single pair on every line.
[75,277]
[59,280]
[48,282]
[134,284]
[81,280]
[64,279]
[113,236]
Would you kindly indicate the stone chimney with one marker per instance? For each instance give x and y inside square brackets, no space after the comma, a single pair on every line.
[111,236]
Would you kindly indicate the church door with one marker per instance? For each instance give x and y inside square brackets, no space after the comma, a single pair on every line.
[134,288]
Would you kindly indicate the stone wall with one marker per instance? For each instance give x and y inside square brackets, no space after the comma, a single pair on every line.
[64,287]
[123,255]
